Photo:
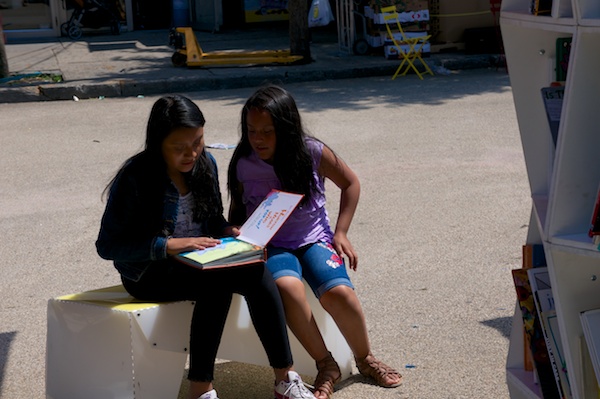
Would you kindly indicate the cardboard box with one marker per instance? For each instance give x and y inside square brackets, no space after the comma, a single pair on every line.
[391,51]
[398,36]
[404,17]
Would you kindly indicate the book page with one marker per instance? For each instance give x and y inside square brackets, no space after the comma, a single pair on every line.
[229,246]
[268,217]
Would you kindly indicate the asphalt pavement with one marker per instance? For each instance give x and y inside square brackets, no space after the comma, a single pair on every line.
[444,204]
[444,207]
[139,63]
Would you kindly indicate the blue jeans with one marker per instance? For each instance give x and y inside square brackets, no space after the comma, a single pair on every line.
[318,263]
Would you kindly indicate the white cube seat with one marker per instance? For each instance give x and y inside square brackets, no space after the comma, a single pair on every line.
[106,344]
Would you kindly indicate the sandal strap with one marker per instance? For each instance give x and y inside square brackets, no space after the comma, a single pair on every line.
[369,366]
[328,374]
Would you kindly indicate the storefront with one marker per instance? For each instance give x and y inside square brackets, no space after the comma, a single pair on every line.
[32,18]
[44,18]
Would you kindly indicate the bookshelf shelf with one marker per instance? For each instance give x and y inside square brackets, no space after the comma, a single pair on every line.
[564,178]
[521,384]
[534,19]
[577,244]
[588,12]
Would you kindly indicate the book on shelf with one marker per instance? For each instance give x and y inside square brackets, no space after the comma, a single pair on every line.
[541,288]
[563,52]
[553,102]
[590,322]
[533,327]
[249,246]
[554,341]
[533,256]
[594,231]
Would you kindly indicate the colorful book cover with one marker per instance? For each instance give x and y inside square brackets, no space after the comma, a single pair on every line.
[533,327]
[594,231]
[533,256]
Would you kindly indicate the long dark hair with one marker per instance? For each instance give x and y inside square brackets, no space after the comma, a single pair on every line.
[292,161]
[169,113]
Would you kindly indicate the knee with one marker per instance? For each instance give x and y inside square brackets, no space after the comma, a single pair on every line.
[340,296]
[291,287]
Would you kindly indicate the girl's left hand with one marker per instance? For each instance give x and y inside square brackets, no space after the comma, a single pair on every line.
[342,245]
[233,231]
[177,245]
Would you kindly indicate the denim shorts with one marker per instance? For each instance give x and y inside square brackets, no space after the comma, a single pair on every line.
[318,263]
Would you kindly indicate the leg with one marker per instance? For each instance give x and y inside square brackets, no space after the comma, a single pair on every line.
[325,270]
[302,323]
[170,280]
[267,314]
[204,342]
[300,319]
[287,272]
[343,305]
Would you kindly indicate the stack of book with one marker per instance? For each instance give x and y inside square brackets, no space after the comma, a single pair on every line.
[544,353]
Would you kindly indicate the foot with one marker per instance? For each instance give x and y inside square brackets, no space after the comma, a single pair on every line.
[383,374]
[328,374]
[209,395]
[293,388]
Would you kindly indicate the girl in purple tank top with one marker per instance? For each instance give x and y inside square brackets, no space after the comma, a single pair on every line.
[275,152]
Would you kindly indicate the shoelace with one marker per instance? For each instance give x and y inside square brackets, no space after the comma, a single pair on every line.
[298,388]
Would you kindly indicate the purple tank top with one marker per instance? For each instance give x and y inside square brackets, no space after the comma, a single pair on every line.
[309,222]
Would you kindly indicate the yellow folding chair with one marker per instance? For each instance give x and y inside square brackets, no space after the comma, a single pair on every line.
[409,48]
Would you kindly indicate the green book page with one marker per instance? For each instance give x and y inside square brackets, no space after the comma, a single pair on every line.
[227,247]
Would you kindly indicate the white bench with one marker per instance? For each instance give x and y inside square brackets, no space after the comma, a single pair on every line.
[105,344]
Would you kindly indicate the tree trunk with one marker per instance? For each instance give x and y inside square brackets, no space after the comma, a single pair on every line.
[3,59]
[299,33]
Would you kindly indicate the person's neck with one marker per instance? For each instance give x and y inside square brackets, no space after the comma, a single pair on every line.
[179,181]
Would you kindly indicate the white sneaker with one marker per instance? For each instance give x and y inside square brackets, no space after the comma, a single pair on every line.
[293,388]
[209,395]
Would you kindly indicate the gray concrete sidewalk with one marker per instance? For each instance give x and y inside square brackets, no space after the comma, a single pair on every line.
[139,63]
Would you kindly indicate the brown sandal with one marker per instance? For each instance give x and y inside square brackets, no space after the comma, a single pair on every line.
[369,366]
[328,374]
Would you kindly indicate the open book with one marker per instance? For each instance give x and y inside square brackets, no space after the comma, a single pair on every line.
[255,234]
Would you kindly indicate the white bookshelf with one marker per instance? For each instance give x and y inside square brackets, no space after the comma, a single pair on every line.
[563,180]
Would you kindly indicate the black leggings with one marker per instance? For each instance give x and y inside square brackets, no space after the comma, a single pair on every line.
[212,291]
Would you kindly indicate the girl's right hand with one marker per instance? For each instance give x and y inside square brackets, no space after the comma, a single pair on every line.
[183,244]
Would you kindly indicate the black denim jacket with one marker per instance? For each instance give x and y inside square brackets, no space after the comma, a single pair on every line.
[139,217]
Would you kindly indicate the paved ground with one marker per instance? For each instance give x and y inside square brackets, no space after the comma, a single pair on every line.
[443,214]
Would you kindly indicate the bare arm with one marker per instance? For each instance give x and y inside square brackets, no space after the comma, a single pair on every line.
[342,176]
